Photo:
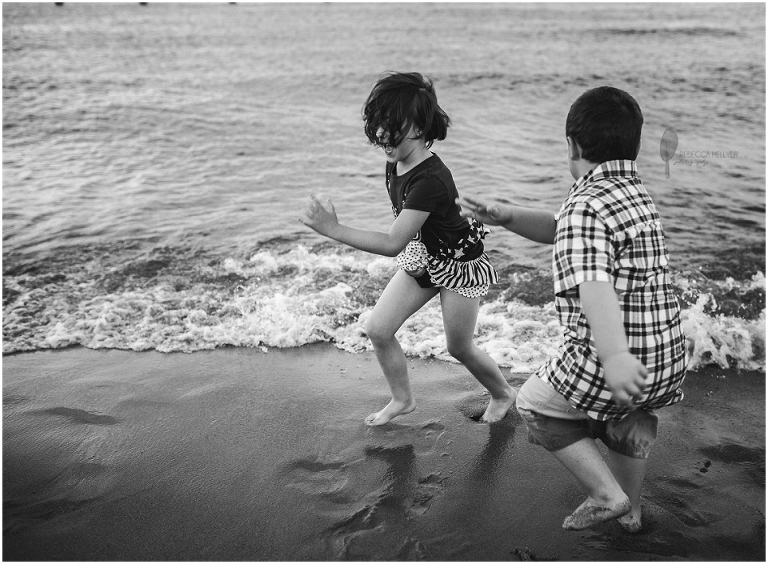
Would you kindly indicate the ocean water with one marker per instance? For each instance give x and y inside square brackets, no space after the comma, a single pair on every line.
[156,158]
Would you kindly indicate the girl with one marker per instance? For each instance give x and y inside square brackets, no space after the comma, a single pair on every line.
[439,252]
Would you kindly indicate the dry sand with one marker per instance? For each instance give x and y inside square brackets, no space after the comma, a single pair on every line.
[240,455]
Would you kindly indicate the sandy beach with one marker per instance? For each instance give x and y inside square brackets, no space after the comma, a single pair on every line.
[238,454]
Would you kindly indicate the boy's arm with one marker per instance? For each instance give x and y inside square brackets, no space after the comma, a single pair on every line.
[536,225]
[321,216]
[624,373]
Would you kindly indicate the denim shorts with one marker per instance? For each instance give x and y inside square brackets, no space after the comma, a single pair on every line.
[555,424]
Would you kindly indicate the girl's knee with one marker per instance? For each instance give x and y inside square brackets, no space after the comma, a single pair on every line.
[461,351]
[377,331]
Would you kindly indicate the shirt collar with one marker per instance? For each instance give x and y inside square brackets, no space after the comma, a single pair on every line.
[608,169]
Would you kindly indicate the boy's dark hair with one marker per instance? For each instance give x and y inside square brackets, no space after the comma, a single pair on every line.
[400,100]
[606,124]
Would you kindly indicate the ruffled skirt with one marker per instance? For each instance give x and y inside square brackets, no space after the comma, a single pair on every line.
[469,278]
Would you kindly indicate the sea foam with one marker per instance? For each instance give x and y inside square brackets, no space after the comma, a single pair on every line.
[292,296]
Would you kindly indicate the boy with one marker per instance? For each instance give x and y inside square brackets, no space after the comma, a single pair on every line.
[623,353]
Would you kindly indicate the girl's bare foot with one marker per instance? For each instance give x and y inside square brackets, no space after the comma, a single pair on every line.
[392,410]
[591,513]
[632,522]
[497,408]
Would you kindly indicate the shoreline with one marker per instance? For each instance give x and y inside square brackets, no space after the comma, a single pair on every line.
[237,454]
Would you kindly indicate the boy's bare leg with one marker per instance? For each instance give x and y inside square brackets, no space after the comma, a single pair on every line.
[606,500]
[459,319]
[400,299]
[630,473]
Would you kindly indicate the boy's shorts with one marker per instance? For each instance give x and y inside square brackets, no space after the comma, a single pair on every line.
[555,424]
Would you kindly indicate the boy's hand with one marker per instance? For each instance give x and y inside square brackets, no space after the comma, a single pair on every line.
[319,217]
[492,214]
[625,376]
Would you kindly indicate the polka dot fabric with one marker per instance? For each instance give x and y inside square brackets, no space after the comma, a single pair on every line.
[474,292]
[471,279]
[413,257]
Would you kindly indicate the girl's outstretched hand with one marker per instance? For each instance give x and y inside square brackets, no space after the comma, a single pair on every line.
[491,214]
[319,216]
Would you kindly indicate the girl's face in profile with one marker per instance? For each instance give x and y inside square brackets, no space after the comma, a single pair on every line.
[411,143]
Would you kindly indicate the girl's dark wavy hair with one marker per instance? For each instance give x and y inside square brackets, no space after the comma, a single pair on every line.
[606,123]
[400,100]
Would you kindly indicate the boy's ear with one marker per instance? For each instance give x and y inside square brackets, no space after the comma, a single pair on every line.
[574,151]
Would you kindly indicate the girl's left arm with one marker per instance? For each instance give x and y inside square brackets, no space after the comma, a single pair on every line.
[321,216]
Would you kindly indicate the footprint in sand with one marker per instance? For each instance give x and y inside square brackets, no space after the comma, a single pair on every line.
[412,549]
[387,513]
[71,489]
[751,459]
[368,501]
[11,400]
[732,453]
[474,407]
[681,497]
[347,494]
[421,437]
[80,416]
[427,489]
[324,479]
[410,494]
[700,498]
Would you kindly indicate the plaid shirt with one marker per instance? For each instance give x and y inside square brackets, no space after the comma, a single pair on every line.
[608,230]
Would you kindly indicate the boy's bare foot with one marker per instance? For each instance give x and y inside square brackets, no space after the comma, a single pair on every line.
[392,410]
[497,408]
[590,513]
[632,522]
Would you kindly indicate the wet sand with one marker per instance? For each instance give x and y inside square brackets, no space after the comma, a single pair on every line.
[237,454]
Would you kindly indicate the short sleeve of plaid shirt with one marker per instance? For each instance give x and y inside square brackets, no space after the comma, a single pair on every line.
[583,250]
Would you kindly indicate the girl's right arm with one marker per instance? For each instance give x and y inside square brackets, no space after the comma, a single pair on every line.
[536,225]
[323,220]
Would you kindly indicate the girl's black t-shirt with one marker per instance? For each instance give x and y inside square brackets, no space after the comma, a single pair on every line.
[429,187]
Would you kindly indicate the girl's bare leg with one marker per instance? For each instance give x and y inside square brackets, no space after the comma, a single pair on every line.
[400,299]
[459,319]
